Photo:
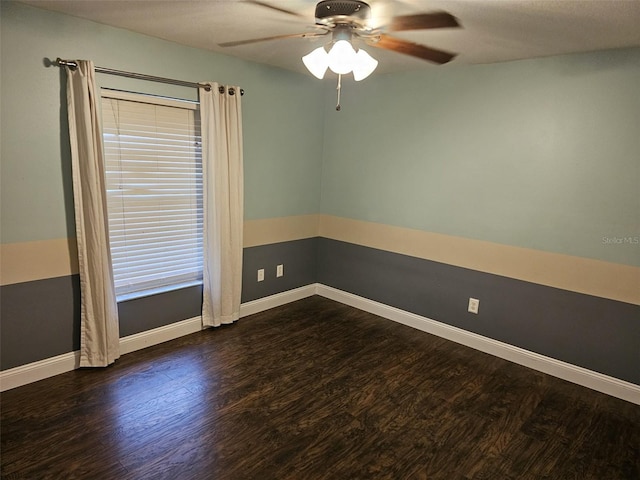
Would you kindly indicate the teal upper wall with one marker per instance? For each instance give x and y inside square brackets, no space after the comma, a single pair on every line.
[542,154]
[282,142]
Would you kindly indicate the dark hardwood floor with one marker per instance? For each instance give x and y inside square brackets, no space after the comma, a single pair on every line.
[315,390]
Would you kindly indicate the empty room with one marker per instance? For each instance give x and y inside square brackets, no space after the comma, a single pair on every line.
[291,239]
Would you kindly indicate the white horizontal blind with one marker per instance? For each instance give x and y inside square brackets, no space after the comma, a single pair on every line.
[154,191]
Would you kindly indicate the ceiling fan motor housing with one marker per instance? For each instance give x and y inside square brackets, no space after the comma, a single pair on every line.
[336,11]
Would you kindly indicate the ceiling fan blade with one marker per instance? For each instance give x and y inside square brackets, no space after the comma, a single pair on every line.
[275,37]
[415,50]
[423,21]
[273,7]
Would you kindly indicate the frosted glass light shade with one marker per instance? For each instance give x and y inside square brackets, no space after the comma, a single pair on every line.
[342,57]
[363,66]
[317,62]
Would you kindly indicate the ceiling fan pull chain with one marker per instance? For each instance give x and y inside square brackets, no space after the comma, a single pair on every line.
[339,88]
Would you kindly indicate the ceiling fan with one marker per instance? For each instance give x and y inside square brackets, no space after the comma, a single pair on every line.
[347,20]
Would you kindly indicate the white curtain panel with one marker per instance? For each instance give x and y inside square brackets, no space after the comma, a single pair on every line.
[223,198]
[99,337]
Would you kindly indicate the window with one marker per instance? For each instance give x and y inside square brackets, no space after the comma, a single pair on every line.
[154,192]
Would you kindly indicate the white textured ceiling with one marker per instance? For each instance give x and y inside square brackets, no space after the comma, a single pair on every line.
[492,30]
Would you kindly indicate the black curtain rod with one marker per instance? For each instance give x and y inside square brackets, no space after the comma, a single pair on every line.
[141,76]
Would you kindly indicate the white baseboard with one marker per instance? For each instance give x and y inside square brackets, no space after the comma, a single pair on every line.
[141,340]
[172,331]
[32,372]
[566,371]
[49,367]
[276,300]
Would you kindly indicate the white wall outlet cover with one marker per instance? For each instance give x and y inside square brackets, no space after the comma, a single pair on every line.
[279,270]
[474,305]
[261,275]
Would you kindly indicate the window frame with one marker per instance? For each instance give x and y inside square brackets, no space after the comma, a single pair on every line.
[107,94]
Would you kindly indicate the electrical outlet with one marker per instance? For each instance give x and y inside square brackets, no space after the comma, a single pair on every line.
[279,270]
[261,275]
[474,304]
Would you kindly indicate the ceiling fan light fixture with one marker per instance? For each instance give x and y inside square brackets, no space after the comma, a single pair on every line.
[342,57]
[363,66]
[317,62]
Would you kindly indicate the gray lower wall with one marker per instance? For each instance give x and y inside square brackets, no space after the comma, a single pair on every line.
[41,319]
[147,313]
[599,334]
[299,260]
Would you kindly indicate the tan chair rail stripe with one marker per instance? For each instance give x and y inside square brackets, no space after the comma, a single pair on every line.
[577,274]
[280,229]
[29,261]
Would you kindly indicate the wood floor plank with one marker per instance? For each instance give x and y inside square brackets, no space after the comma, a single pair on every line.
[315,390]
